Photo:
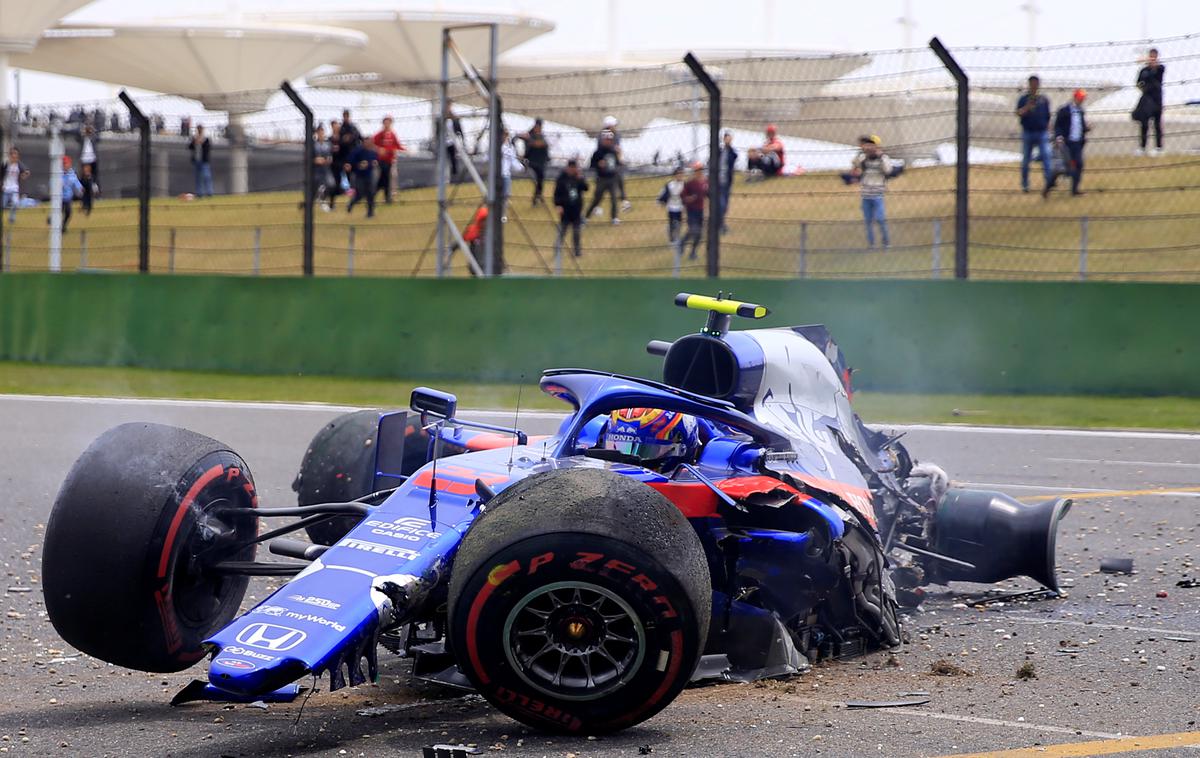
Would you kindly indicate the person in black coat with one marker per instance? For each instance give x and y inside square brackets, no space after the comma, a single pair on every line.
[1150,104]
[569,190]
[1070,132]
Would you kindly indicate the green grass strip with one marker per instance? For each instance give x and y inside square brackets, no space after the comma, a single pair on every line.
[1179,413]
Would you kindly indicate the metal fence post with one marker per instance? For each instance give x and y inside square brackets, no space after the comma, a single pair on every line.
[803,267]
[936,266]
[138,119]
[83,262]
[1083,248]
[493,248]
[713,243]
[962,172]
[309,155]
[257,250]
[350,253]
[171,253]
[56,182]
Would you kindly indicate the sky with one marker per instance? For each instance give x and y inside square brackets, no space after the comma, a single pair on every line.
[581,25]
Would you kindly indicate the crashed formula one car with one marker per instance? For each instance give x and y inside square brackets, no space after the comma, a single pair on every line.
[574,584]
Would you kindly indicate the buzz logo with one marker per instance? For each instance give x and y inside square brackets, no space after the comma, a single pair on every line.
[320,602]
[271,637]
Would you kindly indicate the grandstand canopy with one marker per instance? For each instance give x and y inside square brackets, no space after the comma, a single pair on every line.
[406,45]
[214,63]
[23,21]
[637,89]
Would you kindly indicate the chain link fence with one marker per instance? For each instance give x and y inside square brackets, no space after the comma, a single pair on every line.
[803,216]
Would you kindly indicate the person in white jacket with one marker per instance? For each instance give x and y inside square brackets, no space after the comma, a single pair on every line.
[509,163]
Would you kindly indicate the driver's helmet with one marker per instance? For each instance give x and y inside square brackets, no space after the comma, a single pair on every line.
[659,439]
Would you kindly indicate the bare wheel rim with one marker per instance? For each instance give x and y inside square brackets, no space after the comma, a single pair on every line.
[574,640]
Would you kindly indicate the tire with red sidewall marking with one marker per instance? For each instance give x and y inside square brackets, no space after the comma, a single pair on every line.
[579,602]
[136,526]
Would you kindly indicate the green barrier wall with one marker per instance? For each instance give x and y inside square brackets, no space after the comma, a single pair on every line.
[920,336]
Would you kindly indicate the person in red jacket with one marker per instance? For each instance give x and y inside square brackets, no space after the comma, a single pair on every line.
[387,144]
[695,191]
[474,231]
[769,159]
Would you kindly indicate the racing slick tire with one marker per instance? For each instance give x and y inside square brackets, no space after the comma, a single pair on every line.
[131,541]
[339,466]
[579,601]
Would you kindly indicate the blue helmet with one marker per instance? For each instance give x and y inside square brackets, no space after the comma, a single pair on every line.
[659,439]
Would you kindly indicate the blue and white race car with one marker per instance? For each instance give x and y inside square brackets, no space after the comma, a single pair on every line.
[735,520]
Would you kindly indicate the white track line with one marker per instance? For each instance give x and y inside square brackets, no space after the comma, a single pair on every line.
[247,405]
[1074,490]
[1025,619]
[1116,433]
[918,713]
[1164,464]
[550,415]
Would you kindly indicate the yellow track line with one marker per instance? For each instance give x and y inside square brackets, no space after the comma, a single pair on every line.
[1114,493]
[1097,747]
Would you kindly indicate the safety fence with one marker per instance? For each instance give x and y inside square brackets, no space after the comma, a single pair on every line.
[1135,219]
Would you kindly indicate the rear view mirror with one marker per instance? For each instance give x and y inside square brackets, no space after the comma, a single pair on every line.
[389,450]
[434,403]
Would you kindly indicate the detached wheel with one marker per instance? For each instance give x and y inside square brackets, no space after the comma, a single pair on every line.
[132,538]
[580,602]
[339,466]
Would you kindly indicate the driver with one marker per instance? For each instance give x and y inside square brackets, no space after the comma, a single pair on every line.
[658,439]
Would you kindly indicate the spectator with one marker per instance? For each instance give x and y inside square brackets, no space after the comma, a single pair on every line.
[362,164]
[114,123]
[610,125]
[537,155]
[387,144]
[695,190]
[323,179]
[871,168]
[1033,110]
[90,189]
[473,233]
[89,164]
[337,163]
[1150,104]
[728,160]
[71,189]
[672,197]
[767,161]
[15,174]
[454,136]
[185,125]
[349,136]
[569,190]
[604,163]
[1070,131]
[508,164]
[201,149]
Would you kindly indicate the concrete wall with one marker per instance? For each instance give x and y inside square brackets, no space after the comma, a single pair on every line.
[920,336]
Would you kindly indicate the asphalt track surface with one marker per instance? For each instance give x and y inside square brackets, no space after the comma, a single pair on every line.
[1110,661]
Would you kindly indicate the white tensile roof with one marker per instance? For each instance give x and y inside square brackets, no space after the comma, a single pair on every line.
[23,21]
[206,61]
[638,88]
[407,44]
